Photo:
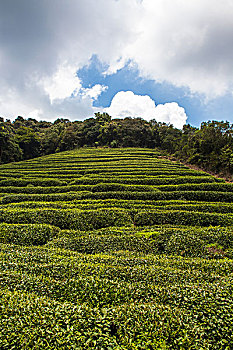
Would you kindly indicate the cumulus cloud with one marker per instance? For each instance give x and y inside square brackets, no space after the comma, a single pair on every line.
[43,43]
[62,84]
[127,104]
[170,113]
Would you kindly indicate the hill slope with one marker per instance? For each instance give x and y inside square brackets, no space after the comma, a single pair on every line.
[114,249]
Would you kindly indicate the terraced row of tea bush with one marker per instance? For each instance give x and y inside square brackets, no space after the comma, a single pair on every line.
[114,249]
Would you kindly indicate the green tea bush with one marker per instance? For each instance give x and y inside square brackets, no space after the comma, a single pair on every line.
[70,196]
[72,219]
[141,170]
[114,249]
[20,182]
[92,244]
[178,217]
[44,190]
[207,196]
[27,234]
[222,187]
[103,187]
[142,180]
[147,301]
[152,326]
[193,206]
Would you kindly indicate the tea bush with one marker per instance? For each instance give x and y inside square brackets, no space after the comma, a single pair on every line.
[27,234]
[73,219]
[160,217]
[114,249]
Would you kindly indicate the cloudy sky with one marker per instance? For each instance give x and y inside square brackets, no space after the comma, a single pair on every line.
[169,60]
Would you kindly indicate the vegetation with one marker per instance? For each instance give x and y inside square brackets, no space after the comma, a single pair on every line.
[114,248]
[209,147]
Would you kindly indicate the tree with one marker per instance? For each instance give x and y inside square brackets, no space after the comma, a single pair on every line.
[102,117]
[29,142]
[9,148]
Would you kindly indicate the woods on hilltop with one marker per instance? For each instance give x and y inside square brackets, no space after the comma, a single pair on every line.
[209,147]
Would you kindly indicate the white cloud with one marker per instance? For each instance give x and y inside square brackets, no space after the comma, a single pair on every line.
[115,66]
[94,92]
[170,113]
[127,104]
[43,43]
[35,114]
[62,84]
[186,43]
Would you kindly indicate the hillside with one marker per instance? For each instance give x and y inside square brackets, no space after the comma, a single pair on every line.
[209,147]
[114,249]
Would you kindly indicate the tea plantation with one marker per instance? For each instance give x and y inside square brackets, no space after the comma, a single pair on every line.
[114,249]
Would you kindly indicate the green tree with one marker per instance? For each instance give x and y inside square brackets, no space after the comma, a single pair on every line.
[29,142]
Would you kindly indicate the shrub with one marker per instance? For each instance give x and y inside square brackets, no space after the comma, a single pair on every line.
[72,219]
[27,234]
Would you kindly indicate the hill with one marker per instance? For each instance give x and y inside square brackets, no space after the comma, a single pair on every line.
[209,147]
[114,249]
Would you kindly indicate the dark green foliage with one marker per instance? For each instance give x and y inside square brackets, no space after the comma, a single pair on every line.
[209,147]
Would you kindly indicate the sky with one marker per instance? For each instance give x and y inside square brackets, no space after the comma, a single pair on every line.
[169,60]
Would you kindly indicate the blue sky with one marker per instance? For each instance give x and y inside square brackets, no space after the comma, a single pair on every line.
[165,60]
[197,107]
[128,79]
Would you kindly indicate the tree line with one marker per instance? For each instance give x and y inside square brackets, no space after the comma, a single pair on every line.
[210,147]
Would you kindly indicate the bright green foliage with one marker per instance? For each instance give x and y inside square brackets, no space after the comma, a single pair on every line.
[113,249]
